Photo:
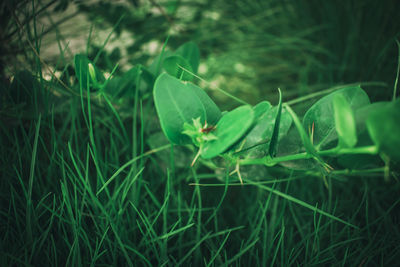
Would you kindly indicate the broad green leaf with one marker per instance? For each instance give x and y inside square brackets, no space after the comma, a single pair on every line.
[344,121]
[173,66]
[83,72]
[178,102]
[275,134]
[190,52]
[260,109]
[384,128]
[258,138]
[254,137]
[158,62]
[362,114]
[230,128]
[362,161]
[321,114]
[213,113]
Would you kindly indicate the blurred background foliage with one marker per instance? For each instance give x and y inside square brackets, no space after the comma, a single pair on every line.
[249,48]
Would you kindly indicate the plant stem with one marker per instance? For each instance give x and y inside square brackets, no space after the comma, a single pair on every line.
[372,150]
[329,90]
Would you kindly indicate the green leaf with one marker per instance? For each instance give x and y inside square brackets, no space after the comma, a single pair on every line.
[158,62]
[82,73]
[344,121]
[275,134]
[190,51]
[321,114]
[213,113]
[257,134]
[260,109]
[178,102]
[230,128]
[259,137]
[362,114]
[173,65]
[384,128]
[362,161]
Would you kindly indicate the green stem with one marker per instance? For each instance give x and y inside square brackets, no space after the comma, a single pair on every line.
[372,150]
[216,88]
[329,90]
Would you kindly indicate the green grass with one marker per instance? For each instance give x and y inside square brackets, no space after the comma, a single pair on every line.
[88,181]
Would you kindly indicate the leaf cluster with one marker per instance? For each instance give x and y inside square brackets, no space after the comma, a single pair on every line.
[332,127]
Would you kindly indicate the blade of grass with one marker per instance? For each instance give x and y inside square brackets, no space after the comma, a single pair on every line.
[398,71]
[127,164]
[303,204]
[242,251]
[30,185]
[216,254]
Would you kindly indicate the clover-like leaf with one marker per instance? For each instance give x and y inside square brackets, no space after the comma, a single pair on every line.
[229,129]
[319,119]
[178,102]
[190,51]
[157,64]
[257,140]
[344,121]
[174,64]
[213,113]
[384,128]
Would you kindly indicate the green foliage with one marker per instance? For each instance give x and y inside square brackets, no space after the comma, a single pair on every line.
[320,118]
[305,138]
[186,57]
[213,113]
[122,87]
[177,102]
[256,142]
[174,64]
[87,73]
[190,51]
[384,128]
[198,133]
[229,129]
[275,134]
[88,177]
[344,121]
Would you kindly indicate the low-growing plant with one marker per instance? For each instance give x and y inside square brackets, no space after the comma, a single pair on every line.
[341,125]
[330,128]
